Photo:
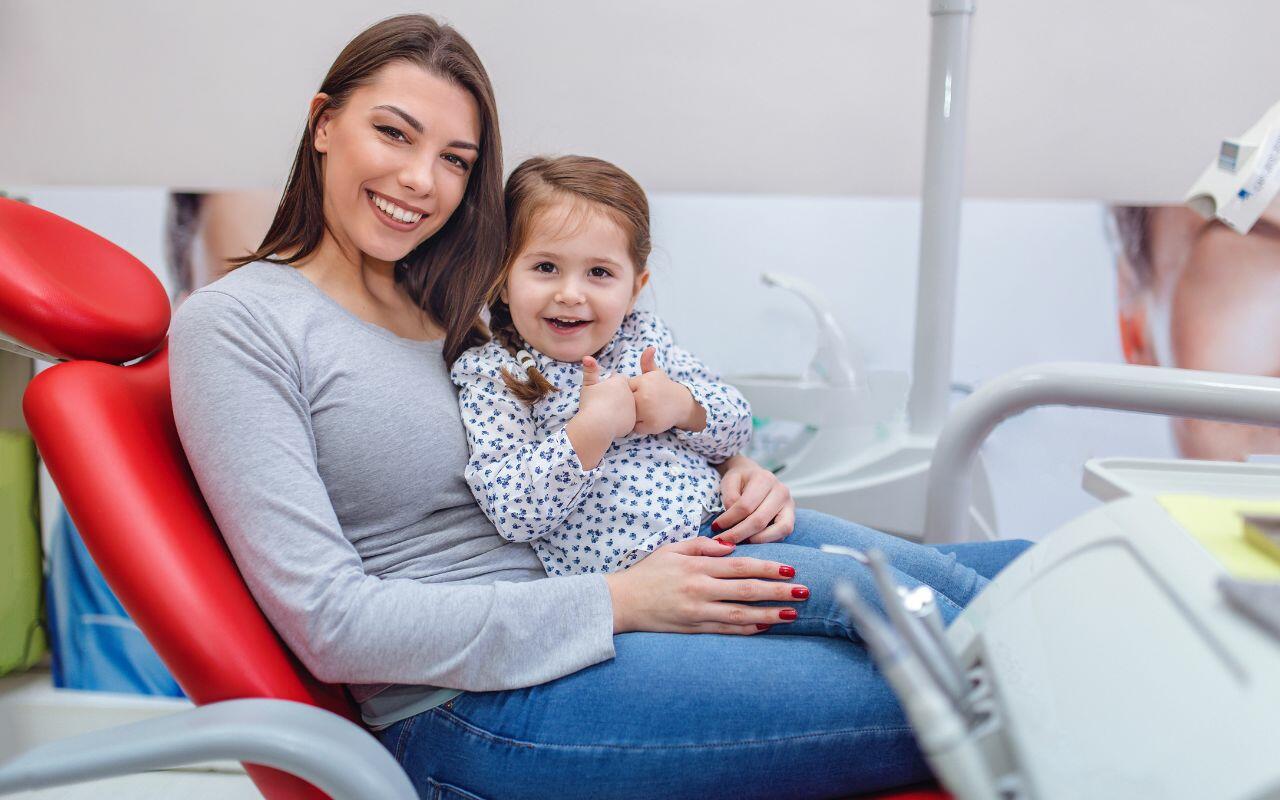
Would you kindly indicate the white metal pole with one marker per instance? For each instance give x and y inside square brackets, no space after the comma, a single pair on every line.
[940,214]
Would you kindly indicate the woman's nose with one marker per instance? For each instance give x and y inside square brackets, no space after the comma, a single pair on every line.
[418,176]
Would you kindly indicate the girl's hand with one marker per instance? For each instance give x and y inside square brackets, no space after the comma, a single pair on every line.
[661,403]
[606,411]
[758,506]
[693,587]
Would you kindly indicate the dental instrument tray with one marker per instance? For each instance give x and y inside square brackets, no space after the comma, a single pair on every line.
[1113,478]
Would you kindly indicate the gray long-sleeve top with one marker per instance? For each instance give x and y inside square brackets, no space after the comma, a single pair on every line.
[331,454]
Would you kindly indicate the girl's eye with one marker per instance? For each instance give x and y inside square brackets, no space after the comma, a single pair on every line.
[545,266]
[600,272]
[391,133]
[458,161]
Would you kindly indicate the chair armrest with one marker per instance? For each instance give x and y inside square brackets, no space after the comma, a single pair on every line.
[322,748]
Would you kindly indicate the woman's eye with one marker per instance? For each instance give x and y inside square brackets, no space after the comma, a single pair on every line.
[457,161]
[391,133]
[545,266]
[600,272]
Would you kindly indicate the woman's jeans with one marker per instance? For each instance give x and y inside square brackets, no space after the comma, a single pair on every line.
[800,710]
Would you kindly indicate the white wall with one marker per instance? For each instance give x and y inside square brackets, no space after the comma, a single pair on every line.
[1035,284]
[1111,99]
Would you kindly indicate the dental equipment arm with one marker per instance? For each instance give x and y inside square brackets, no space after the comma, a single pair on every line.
[331,753]
[1151,390]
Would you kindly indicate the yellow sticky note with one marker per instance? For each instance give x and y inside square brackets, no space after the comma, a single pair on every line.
[1217,523]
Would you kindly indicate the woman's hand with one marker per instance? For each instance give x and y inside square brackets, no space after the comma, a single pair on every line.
[758,506]
[694,586]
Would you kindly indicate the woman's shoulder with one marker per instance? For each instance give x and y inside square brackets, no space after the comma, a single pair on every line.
[259,302]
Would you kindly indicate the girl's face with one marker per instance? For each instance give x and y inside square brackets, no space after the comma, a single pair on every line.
[572,282]
[397,158]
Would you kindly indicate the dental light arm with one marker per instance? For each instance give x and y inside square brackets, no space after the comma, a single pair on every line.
[1150,390]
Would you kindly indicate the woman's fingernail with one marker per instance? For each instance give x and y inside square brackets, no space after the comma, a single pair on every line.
[763,627]
[787,572]
[725,542]
[787,613]
[800,592]
[715,527]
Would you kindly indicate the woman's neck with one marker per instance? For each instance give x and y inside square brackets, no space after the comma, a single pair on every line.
[367,288]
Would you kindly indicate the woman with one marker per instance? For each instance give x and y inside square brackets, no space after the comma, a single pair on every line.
[313,399]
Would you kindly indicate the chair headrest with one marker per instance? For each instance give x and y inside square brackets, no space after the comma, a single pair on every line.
[68,293]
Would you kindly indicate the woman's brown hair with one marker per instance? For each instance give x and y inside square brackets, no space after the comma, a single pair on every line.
[531,189]
[450,273]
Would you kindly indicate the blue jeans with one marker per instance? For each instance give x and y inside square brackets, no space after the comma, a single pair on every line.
[677,716]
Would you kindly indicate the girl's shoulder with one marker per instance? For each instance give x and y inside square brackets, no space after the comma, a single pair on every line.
[643,327]
[482,361]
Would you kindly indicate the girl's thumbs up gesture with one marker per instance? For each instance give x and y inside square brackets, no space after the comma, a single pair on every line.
[662,404]
[606,411]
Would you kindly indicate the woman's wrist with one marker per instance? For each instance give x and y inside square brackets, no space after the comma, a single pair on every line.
[618,598]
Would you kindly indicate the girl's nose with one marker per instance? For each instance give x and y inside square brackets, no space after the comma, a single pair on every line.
[569,295]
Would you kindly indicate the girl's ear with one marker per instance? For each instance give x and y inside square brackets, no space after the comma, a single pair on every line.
[502,294]
[320,137]
[641,281]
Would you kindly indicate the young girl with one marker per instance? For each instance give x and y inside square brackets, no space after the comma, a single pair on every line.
[592,434]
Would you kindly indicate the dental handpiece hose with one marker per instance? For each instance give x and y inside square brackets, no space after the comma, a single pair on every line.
[940,730]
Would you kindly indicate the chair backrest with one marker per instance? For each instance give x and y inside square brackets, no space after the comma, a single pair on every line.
[107,435]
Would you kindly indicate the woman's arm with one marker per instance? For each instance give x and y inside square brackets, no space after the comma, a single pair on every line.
[246,428]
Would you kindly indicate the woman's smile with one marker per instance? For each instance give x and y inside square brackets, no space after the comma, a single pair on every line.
[392,214]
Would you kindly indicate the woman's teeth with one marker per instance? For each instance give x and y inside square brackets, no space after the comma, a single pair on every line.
[394,211]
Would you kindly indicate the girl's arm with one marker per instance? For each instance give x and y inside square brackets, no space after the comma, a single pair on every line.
[526,487]
[728,416]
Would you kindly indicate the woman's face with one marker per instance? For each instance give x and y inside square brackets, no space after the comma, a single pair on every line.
[397,158]
[1211,306]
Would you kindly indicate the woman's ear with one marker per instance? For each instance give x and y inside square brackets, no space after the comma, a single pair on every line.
[321,115]
[1135,335]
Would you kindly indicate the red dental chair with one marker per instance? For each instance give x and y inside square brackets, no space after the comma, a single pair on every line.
[106,434]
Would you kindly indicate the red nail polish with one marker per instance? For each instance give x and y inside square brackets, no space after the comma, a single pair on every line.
[763,627]
[725,542]
[715,527]
[787,572]
[800,592]
[787,613]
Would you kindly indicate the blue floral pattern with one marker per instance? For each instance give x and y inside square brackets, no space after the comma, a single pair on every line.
[646,491]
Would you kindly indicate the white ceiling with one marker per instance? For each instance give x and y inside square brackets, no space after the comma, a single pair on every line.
[1110,99]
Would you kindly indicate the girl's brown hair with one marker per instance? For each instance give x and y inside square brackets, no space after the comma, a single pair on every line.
[450,273]
[534,186]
